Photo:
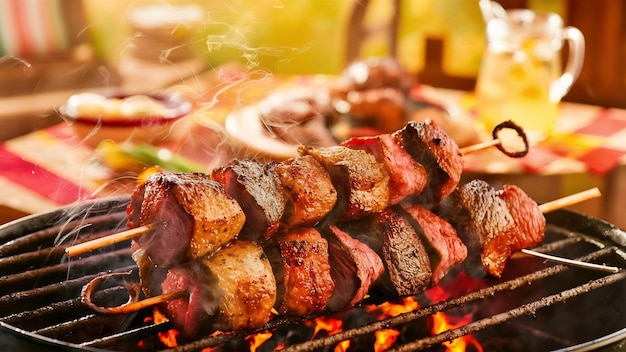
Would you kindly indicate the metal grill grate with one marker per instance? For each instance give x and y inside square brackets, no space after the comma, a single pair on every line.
[40,288]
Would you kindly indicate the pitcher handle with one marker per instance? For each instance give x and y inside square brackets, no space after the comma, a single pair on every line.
[576,42]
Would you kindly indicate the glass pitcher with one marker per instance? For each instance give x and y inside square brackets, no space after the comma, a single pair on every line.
[521,76]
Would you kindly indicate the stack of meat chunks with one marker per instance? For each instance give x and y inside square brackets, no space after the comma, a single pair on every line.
[319,232]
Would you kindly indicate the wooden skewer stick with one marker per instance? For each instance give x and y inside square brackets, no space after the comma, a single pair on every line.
[569,200]
[88,246]
[479,146]
[150,301]
[562,203]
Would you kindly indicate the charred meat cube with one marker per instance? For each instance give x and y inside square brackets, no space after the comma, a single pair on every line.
[407,177]
[257,189]
[308,189]
[361,182]
[432,147]
[354,268]
[445,248]
[192,213]
[300,261]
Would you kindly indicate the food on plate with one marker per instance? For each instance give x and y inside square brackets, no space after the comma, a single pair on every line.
[371,97]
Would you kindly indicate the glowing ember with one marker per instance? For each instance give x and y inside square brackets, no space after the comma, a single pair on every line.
[168,338]
[461,285]
[330,325]
[385,339]
[442,322]
[342,346]
[389,309]
[257,340]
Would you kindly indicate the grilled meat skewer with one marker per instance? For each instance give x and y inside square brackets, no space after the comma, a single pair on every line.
[351,182]
[305,253]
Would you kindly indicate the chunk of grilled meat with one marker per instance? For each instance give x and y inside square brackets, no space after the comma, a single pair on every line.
[300,261]
[483,219]
[445,248]
[407,177]
[258,190]
[361,182]
[354,268]
[308,189]
[526,215]
[232,289]
[406,259]
[192,213]
[432,147]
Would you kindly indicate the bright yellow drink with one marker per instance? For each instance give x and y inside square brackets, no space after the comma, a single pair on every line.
[516,86]
[521,77]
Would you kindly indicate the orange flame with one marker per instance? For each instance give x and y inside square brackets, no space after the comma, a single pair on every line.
[385,339]
[168,338]
[442,322]
[389,309]
[330,325]
[257,340]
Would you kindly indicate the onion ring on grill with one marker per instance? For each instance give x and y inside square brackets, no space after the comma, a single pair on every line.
[132,288]
[520,132]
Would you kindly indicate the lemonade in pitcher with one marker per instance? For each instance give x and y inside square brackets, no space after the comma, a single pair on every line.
[521,77]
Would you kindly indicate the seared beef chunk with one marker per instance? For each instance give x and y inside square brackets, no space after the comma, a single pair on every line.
[445,248]
[432,147]
[406,259]
[362,183]
[192,213]
[527,216]
[354,268]
[308,189]
[484,223]
[301,266]
[257,189]
[407,177]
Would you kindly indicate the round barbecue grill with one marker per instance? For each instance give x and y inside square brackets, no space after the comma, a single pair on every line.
[536,306]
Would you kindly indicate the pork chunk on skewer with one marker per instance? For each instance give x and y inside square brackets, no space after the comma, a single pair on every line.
[192,214]
[300,261]
[308,189]
[407,177]
[232,289]
[361,182]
